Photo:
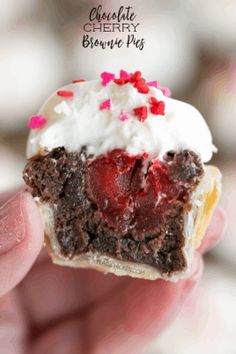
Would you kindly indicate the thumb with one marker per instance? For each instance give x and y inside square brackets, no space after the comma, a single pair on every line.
[21,238]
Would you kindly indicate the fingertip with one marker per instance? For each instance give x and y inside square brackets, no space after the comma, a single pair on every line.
[190,283]
[215,230]
[218,223]
[221,215]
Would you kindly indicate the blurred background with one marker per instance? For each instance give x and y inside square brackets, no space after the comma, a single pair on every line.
[190,47]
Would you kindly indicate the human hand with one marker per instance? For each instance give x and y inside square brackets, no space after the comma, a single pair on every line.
[66,311]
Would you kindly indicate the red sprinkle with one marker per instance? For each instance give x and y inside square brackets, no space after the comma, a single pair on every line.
[139,82]
[141,86]
[141,112]
[166,91]
[105,105]
[123,117]
[153,100]
[77,81]
[36,122]
[121,81]
[107,77]
[136,79]
[136,76]
[65,93]
[158,109]
[124,74]
[153,83]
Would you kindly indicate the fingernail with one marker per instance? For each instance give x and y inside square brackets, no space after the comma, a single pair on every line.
[12,229]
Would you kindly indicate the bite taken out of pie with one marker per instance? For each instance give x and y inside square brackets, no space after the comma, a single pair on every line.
[118,170]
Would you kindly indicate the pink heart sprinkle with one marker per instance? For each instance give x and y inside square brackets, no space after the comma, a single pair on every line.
[123,117]
[105,105]
[106,78]
[36,122]
[153,83]
[124,74]
[166,91]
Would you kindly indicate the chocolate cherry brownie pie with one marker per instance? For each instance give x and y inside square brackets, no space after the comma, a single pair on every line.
[117,168]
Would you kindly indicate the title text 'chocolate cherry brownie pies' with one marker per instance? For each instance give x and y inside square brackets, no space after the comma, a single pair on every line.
[117,168]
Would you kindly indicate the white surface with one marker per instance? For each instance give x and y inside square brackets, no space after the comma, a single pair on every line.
[80,122]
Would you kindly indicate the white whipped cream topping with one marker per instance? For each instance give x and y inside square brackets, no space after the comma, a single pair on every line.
[78,121]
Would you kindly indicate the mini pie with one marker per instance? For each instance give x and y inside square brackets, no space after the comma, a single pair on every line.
[118,170]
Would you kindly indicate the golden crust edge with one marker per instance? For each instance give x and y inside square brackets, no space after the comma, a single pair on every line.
[209,200]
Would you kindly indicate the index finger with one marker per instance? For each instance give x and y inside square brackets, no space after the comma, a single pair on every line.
[21,238]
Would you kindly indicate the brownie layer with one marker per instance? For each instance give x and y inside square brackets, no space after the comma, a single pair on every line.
[145,226]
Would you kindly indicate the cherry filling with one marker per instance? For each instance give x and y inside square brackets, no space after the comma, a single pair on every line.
[130,191]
